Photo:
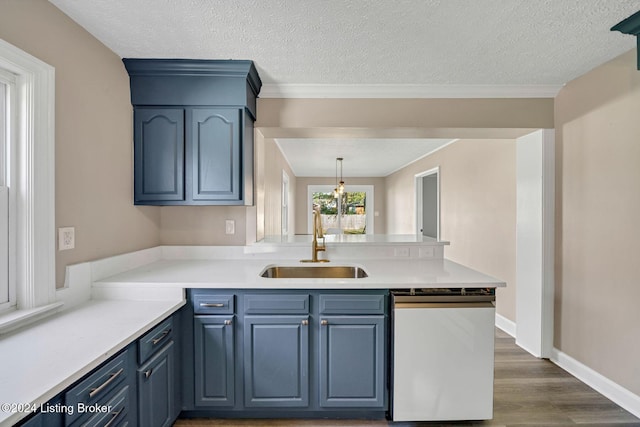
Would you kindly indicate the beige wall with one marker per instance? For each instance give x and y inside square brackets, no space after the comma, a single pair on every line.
[405,113]
[597,220]
[93,134]
[204,225]
[478,208]
[302,210]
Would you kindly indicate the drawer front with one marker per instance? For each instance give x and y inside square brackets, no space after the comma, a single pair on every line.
[154,340]
[97,385]
[276,304]
[352,304]
[207,303]
[111,412]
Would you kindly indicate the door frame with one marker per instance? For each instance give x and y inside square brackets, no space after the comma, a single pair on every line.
[285,204]
[419,196]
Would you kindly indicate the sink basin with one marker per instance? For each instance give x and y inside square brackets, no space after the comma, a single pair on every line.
[314,272]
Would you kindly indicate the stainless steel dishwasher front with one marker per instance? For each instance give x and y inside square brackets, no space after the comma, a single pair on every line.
[443,355]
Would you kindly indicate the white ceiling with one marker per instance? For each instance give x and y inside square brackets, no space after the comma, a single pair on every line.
[372,48]
[371,42]
[316,157]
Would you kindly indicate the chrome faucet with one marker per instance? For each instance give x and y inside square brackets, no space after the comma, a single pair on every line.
[317,234]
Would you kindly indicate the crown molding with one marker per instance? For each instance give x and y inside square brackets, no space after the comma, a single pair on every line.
[271,90]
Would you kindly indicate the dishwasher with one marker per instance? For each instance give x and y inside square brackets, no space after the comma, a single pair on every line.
[442,354]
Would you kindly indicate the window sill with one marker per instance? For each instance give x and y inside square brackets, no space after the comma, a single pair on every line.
[19,318]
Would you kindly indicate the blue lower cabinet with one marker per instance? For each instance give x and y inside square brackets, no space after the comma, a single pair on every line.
[156,389]
[288,353]
[352,361]
[276,361]
[50,415]
[117,413]
[214,364]
[105,395]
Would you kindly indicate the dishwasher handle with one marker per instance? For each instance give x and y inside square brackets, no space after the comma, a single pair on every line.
[452,304]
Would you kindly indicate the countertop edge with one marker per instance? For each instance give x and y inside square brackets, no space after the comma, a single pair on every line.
[99,356]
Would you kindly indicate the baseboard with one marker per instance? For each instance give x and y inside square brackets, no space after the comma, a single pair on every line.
[613,391]
[506,325]
[603,385]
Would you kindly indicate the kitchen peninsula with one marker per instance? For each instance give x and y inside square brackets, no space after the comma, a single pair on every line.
[144,287]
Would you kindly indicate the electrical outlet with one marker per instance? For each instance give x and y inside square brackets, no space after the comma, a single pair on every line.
[401,252]
[66,238]
[427,252]
[230,227]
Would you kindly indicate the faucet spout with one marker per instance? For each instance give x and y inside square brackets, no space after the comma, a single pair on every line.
[317,234]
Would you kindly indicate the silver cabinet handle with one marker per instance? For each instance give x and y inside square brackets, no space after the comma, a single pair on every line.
[161,337]
[324,322]
[211,304]
[305,322]
[227,322]
[113,418]
[148,373]
[111,379]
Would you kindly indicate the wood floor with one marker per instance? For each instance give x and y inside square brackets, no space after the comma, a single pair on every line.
[527,391]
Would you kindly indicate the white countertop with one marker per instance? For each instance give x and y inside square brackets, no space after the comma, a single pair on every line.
[41,360]
[245,274]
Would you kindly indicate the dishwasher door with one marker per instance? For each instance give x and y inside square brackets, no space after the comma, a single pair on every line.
[443,356]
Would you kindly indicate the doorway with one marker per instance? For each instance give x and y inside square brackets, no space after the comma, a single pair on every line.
[427,186]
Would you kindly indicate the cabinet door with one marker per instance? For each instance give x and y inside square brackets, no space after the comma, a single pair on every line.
[214,138]
[214,361]
[352,361]
[158,154]
[156,388]
[276,361]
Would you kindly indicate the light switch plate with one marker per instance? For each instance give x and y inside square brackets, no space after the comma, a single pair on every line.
[66,238]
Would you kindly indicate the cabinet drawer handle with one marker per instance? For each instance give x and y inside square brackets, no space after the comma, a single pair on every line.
[161,337]
[211,304]
[105,384]
[305,322]
[324,322]
[113,417]
[227,322]
[148,373]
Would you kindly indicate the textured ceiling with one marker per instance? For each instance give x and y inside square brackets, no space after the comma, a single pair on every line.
[423,42]
[316,157]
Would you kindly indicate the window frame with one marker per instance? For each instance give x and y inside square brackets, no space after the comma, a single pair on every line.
[328,188]
[33,173]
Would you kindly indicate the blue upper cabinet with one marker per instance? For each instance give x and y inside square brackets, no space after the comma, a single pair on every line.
[215,153]
[159,154]
[193,131]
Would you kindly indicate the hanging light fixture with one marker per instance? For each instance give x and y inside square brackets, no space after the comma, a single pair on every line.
[339,185]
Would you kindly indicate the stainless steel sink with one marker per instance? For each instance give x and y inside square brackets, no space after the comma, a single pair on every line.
[314,272]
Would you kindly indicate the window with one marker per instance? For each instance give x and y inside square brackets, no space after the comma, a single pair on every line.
[27,230]
[348,214]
